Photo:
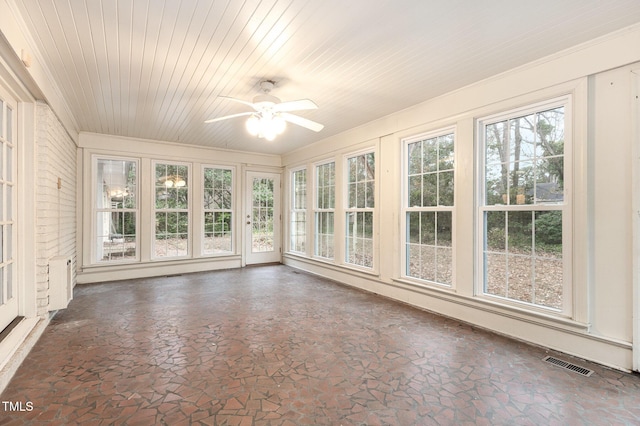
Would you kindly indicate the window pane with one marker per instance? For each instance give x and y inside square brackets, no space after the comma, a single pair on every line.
[445,152]
[415,191]
[430,155]
[445,188]
[495,274]
[430,189]
[428,228]
[495,225]
[217,235]
[520,278]
[519,232]
[549,282]
[444,229]
[496,181]
[548,234]
[549,184]
[413,227]
[359,241]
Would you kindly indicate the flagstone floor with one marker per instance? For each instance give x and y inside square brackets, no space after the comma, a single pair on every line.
[274,346]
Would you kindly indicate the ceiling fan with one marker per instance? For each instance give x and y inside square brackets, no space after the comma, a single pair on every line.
[269,115]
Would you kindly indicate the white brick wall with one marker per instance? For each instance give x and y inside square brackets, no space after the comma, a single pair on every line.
[56,208]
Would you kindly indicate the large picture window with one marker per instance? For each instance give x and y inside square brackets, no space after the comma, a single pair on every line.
[359,211]
[171,236]
[298,226]
[218,210]
[429,207]
[523,206]
[116,210]
[325,209]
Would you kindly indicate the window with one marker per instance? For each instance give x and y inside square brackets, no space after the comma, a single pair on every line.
[324,209]
[116,210]
[171,237]
[359,212]
[298,210]
[429,206]
[523,208]
[218,210]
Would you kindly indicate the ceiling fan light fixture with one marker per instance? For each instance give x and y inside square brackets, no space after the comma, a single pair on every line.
[266,125]
[253,125]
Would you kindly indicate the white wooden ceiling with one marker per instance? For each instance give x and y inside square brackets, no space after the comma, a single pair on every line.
[154,68]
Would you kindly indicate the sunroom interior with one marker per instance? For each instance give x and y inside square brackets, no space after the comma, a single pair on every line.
[487,172]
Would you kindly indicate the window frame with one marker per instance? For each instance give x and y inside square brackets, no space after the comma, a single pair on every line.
[566,207]
[346,209]
[204,210]
[406,209]
[95,158]
[293,210]
[155,210]
[317,210]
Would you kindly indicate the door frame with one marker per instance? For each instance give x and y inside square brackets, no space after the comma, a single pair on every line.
[635,149]
[269,257]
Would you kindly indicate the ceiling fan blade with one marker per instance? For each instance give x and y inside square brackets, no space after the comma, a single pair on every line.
[226,117]
[298,105]
[300,121]
[240,101]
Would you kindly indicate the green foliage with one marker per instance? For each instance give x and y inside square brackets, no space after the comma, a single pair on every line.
[549,228]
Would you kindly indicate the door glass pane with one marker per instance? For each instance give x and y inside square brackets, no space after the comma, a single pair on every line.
[9,281]
[1,117]
[9,126]
[262,215]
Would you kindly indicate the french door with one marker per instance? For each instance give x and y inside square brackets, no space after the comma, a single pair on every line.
[262,218]
[8,193]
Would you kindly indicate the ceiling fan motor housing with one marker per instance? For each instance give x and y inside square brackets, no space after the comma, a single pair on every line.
[265,101]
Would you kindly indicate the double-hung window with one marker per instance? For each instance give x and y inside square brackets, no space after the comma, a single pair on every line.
[298,224]
[218,210]
[359,211]
[115,210]
[523,208]
[429,207]
[171,212]
[324,209]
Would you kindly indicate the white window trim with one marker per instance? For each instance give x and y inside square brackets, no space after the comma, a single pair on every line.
[293,210]
[316,210]
[94,180]
[567,310]
[345,209]
[405,208]
[203,211]
[189,210]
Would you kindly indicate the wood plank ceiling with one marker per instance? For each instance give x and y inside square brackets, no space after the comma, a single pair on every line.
[154,68]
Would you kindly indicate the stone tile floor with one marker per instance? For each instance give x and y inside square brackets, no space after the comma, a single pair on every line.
[274,346]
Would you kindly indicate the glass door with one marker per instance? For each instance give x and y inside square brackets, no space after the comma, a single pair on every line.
[262,218]
[8,276]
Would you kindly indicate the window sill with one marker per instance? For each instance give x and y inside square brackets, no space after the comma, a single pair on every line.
[351,270]
[515,312]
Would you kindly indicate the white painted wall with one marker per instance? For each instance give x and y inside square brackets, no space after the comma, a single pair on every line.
[56,207]
[598,77]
